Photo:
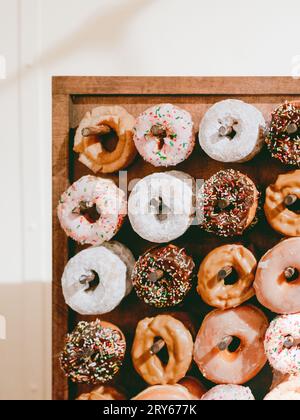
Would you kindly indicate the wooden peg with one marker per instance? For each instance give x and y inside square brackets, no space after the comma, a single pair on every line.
[225,343]
[224,272]
[157,346]
[290,199]
[97,130]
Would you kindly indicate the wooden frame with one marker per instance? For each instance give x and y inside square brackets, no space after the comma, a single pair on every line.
[63,90]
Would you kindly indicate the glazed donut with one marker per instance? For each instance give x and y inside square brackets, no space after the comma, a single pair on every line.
[282,344]
[102,393]
[164,393]
[164,135]
[163,276]
[288,390]
[212,351]
[283,139]
[194,386]
[92,210]
[281,205]
[178,341]
[93,352]
[232,131]
[217,266]
[161,206]
[229,393]
[92,133]
[227,203]
[96,280]
[277,280]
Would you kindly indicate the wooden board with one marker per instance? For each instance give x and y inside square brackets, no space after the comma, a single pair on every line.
[72,97]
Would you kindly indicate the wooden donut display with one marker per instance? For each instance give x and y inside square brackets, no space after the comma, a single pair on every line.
[78,98]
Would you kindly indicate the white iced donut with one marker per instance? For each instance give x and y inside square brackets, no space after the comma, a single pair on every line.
[232,131]
[96,280]
[282,344]
[164,135]
[92,210]
[229,393]
[288,390]
[161,206]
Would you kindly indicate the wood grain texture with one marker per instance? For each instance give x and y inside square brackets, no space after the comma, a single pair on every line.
[195,95]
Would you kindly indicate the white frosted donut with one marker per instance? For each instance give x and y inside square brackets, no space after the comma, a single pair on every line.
[161,206]
[89,193]
[229,393]
[94,281]
[164,135]
[232,131]
[282,358]
[288,390]
[126,256]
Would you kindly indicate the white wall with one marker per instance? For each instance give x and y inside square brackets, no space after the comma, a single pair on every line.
[41,38]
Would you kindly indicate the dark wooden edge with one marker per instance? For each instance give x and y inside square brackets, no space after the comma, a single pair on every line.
[72,85]
[60,177]
[63,88]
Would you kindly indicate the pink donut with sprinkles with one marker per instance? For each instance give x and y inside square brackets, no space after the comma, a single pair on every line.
[92,210]
[164,135]
[282,344]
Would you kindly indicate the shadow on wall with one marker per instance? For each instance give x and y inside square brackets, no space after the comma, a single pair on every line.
[21,375]
[100,30]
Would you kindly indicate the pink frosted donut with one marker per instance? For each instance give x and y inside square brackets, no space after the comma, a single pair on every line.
[274,289]
[229,393]
[288,390]
[282,344]
[164,135]
[92,210]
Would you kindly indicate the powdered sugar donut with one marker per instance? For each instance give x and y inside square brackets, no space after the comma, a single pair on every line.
[164,135]
[92,210]
[288,390]
[161,206]
[94,281]
[282,342]
[229,393]
[232,131]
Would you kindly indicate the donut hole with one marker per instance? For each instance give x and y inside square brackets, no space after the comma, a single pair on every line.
[227,129]
[221,208]
[90,213]
[234,345]
[161,209]
[93,282]
[291,276]
[295,207]
[109,141]
[163,354]
[231,278]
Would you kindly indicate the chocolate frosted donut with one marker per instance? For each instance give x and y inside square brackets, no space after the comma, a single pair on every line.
[227,203]
[163,276]
[93,352]
[283,139]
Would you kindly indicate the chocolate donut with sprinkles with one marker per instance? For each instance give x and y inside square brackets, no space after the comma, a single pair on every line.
[227,203]
[163,276]
[283,139]
[93,352]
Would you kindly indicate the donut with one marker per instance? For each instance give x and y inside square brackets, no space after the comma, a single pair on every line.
[232,131]
[283,139]
[164,135]
[161,206]
[92,210]
[282,344]
[93,352]
[178,341]
[164,393]
[282,206]
[226,276]
[96,280]
[94,133]
[102,393]
[227,203]
[229,346]
[194,386]
[277,280]
[163,276]
[228,393]
[288,390]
